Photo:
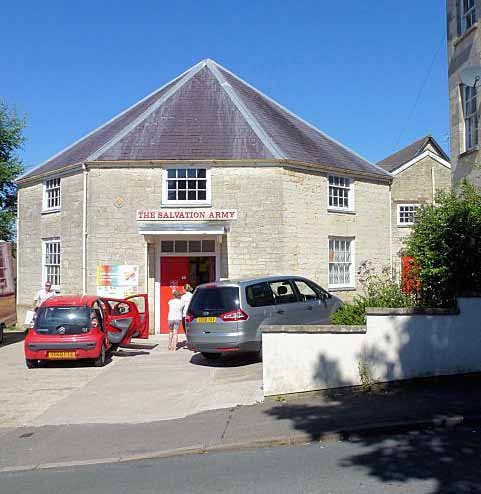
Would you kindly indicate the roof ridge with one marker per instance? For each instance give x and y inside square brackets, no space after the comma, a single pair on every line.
[249,118]
[183,78]
[305,122]
[115,117]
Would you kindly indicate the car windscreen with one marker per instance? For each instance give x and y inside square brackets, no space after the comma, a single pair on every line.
[214,300]
[62,320]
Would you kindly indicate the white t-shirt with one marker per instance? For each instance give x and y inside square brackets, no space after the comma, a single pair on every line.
[186,298]
[175,309]
[43,295]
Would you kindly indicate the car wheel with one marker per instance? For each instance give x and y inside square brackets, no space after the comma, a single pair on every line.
[100,360]
[31,364]
[211,356]
[2,328]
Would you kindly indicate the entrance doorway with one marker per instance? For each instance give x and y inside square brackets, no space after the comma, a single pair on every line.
[175,272]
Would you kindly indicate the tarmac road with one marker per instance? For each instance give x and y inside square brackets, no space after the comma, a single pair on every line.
[436,461]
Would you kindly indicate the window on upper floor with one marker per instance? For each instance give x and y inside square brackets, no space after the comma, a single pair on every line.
[467,14]
[471,118]
[51,261]
[406,214]
[186,186]
[51,195]
[340,193]
[341,262]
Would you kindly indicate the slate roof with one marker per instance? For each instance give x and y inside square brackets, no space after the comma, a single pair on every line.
[208,113]
[404,155]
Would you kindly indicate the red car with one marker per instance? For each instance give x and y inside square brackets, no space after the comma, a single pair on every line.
[85,327]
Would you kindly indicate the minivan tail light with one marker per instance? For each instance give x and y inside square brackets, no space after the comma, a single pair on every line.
[189,317]
[234,315]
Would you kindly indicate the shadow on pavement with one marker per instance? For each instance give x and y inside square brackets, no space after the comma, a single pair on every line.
[226,360]
[11,337]
[129,353]
[138,346]
[412,452]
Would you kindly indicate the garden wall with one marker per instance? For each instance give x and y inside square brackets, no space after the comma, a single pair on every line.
[395,344]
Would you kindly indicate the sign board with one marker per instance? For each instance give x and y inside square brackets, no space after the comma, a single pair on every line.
[193,214]
[117,280]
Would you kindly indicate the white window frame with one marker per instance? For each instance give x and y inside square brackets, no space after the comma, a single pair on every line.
[51,185]
[404,205]
[187,203]
[45,277]
[350,193]
[352,280]
[468,14]
[471,118]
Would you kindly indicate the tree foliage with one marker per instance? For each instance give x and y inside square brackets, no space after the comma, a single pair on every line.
[11,139]
[446,244]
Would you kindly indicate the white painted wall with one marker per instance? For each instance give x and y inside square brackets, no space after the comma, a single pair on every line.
[393,348]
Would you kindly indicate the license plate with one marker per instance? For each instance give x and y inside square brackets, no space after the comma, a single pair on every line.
[206,319]
[60,355]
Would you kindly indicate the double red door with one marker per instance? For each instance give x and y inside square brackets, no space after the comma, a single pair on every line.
[174,274]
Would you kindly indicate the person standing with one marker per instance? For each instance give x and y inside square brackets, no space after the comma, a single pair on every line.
[174,319]
[43,294]
[186,298]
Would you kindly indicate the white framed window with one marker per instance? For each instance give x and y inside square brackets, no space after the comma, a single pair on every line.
[186,186]
[406,214]
[471,118]
[51,261]
[467,10]
[341,193]
[51,195]
[341,262]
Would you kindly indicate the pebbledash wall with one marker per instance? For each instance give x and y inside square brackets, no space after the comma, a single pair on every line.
[283,224]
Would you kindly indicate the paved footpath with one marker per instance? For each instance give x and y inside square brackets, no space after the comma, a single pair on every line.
[141,383]
[286,420]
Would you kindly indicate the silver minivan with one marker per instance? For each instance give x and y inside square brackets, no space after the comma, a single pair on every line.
[226,316]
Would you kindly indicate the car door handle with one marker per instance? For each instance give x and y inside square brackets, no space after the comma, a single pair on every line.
[280,311]
[309,307]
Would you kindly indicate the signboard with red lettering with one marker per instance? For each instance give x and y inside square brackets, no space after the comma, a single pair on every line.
[168,214]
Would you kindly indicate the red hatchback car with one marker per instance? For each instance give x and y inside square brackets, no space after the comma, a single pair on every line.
[85,327]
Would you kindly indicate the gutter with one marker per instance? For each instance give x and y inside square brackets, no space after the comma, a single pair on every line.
[84,230]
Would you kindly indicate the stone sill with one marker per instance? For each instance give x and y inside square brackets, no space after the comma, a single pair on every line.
[314,329]
[51,211]
[474,149]
[187,205]
[411,311]
[463,36]
[342,211]
[341,289]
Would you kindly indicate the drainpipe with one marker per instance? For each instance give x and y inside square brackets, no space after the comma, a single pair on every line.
[391,264]
[433,181]
[84,230]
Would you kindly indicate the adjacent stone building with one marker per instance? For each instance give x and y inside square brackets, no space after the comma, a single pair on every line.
[464,49]
[420,170]
[206,178]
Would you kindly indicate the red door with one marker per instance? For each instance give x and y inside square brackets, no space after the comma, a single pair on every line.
[174,274]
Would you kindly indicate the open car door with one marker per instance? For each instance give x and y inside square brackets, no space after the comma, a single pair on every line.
[142,303]
[122,320]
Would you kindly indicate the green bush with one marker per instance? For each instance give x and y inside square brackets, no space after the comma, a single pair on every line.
[380,290]
[446,244]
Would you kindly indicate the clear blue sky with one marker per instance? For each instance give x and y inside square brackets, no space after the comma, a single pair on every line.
[354,68]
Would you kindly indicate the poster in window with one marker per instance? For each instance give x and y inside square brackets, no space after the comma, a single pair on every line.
[117,280]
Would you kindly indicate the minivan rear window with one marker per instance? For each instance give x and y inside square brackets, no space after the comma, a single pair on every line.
[214,300]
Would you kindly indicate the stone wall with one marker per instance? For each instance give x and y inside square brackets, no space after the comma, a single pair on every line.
[35,226]
[415,185]
[463,52]
[283,224]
